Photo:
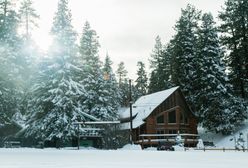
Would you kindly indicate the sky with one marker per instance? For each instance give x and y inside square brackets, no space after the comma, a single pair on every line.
[126,28]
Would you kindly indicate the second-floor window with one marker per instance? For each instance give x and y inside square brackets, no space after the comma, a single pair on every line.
[160,119]
[172,117]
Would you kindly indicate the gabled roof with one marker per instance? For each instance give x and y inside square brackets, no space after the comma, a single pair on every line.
[145,105]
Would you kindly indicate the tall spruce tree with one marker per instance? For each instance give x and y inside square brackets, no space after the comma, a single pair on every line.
[164,71]
[89,48]
[97,97]
[234,29]
[141,81]
[157,53]
[28,16]
[121,73]
[11,63]
[110,86]
[155,64]
[123,84]
[56,93]
[30,51]
[211,84]
[160,77]
[211,79]
[184,51]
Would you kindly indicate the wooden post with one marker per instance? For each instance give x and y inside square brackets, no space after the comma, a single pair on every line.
[131,113]
[78,136]
[142,142]
[247,141]
[115,146]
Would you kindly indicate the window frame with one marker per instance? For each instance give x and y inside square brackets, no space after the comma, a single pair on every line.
[169,117]
[160,115]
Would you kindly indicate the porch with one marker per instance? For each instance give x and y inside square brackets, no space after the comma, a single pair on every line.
[152,140]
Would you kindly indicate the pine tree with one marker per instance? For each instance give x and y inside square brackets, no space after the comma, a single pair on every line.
[155,62]
[121,73]
[107,68]
[98,96]
[184,51]
[225,116]
[161,67]
[11,41]
[210,79]
[123,84]
[91,77]
[153,82]
[29,50]
[157,53]
[110,86]
[89,47]
[141,81]
[234,30]
[56,99]
[28,16]
[10,62]
[211,84]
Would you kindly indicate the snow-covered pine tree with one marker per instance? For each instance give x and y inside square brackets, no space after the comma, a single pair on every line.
[225,115]
[89,48]
[234,29]
[121,72]
[29,50]
[112,94]
[184,51]
[107,68]
[97,101]
[11,63]
[56,93]
[161,67]
[164,69]
[157,53]
[152,82]
[28,16]
[10,40]
[123,83]
[210,79]
[141,81]
[216,107]
[111,100]
[155,61]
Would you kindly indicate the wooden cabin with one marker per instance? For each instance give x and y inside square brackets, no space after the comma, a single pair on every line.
[160,117]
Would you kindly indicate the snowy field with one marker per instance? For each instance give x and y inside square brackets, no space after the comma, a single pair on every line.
[53,158]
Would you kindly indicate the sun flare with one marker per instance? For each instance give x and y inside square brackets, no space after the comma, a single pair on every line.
[43,40]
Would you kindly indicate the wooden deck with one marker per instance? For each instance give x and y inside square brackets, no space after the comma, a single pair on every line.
[146,140]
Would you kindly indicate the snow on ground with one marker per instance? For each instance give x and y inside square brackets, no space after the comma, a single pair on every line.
[225,141]
[53,158]
[131,147]
[130,156]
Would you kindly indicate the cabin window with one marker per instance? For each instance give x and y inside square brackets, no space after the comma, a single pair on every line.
[183,131]
[172,131]
[182,118]
[160,119]
[172,117]
[160,131]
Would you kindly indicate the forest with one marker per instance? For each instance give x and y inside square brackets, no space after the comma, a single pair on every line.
[43,94]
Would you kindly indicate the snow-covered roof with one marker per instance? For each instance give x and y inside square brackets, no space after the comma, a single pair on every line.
[144,106]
